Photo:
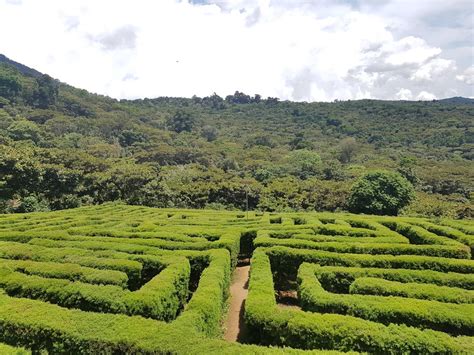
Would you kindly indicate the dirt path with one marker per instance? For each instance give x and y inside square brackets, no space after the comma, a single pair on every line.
[288,299]
[234,324]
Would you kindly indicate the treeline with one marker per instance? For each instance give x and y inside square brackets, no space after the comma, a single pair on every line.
[62,147]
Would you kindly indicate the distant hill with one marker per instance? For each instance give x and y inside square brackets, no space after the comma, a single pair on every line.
[458,100]
[61,147]
[20,67]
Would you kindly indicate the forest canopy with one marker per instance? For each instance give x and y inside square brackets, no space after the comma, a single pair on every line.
[62,147]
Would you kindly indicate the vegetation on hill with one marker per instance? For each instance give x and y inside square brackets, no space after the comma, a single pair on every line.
[61,147]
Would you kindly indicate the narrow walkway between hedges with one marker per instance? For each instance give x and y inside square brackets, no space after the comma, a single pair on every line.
[235,329]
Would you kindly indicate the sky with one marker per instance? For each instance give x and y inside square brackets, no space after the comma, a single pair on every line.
[313,50]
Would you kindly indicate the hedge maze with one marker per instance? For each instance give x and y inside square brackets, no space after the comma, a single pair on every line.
[116,279]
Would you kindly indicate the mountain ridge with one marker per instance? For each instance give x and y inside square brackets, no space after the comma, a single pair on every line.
[62,147]
[35,73]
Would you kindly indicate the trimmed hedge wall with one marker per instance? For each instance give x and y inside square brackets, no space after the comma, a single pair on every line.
[459,252]
[457,319]
[381,287]
[272,325]
[161,298]
[339,278]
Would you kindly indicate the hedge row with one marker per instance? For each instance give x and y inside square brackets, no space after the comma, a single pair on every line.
[381,287]
[309,234]
[161,298]
[339,278]
[457,319]
[228,240]
[418,235]
[10,350]
[448,232]
[287,261]
[138,266]
[109,261]
[40,325]
[458,252]
[72,272]
[270,324]
[92,231]
[465,228]
[359,232]
[344,239]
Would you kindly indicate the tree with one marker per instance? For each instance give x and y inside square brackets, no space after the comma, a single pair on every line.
[209,132]
[24,130]
[129,137]
[10,86]
[214,101]
[348,148]
[238,98]
[381,192]
[181,121]
[304,163]
[407,169]
[47,92]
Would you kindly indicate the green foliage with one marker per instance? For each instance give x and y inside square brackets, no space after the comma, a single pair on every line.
[181,121]
[87,147]
[10,86]
[210,133]
[348,148]
[407,170]
[304,163]
[32,203]
[132,279]
[271,325]
[375,286]
[380,192]
[130,137]
[452,318]
[46,92]
[24,130]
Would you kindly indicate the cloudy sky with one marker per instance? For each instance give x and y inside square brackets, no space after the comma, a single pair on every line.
[314,50]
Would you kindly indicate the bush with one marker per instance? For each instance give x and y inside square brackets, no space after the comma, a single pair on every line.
[381,192]
[32,203]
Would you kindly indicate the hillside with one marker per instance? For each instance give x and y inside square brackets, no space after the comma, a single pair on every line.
[63,147]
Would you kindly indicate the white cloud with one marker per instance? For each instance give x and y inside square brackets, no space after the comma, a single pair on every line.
[424,95]
[404,94]
[318,50]
[433,69]
[467,76]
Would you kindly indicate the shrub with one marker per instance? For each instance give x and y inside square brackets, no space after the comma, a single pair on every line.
[380,192]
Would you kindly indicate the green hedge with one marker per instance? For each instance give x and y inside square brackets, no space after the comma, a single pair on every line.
[270,324]
[381,287]
[457,319]
[72,272]
[458,252]
[465,228]
[40,325]
[110,260]
[10,350]
[161,298]
[339,278]
[418,235]
[448,232]
[228,240]
[359,232]
[286,261]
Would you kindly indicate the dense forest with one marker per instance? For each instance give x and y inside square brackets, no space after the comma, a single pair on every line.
[62,147]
